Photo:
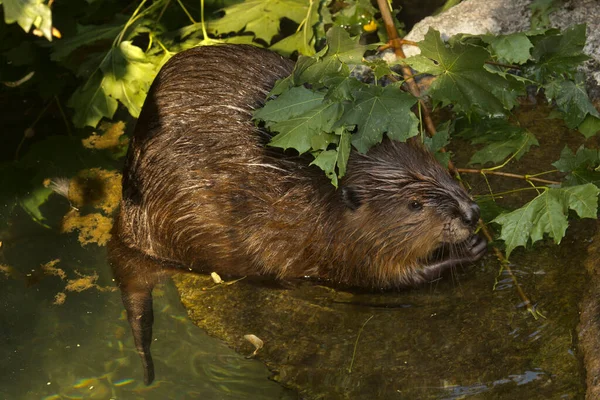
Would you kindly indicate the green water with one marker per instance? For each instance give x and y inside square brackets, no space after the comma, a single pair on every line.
[83,349]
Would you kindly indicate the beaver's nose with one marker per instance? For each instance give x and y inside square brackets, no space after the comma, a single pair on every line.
[471,215]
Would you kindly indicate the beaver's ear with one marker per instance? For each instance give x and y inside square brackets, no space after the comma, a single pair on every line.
[350,198]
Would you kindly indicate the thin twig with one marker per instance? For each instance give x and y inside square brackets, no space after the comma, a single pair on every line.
[356,342]
[64,117]
[504,262]
[396,43]
[510,66]
[505,174]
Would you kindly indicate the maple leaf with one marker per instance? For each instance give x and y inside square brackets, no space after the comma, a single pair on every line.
[378,110]
[125,74]
[297,131]
[461,79]
[328,160]
[572,99]
[262,17]
[547,214]
[513,48]
[27,13]
[291,103]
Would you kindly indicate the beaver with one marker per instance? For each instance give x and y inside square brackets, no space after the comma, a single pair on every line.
[203,192]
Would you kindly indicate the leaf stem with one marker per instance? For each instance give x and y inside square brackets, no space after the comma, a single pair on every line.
[202,23]
[356,343]
[64,117]
[129,22]
[506,266]
[508,175]
[30,129]
[396,43]
[494,195]
[510,66]
[187,12]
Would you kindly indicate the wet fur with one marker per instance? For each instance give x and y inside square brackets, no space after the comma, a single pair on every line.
[202,192]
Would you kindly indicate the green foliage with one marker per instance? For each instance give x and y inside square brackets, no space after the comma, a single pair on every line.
[461,78]
[261,17]
[28,13]
[547,214]
[501,140]
[376,111]
[125,74]
[572,99]
[471,74]
[581,167]
[540,9]
[512,48]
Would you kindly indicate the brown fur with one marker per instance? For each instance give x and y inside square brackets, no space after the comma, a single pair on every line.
[202,192]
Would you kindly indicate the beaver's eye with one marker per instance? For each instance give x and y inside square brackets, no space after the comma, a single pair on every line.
[414,205]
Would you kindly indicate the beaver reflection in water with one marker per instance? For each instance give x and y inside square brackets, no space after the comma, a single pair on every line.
[202,192]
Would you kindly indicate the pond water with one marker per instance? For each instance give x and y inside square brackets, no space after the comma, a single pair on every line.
[83,348]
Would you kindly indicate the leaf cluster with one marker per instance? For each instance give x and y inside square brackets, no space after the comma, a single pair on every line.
[480,78]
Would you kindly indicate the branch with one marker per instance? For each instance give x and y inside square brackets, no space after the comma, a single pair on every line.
[505,174]
[510,66]
[396,43]
[504,262]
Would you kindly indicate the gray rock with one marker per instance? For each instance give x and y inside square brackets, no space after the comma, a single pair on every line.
[509,16]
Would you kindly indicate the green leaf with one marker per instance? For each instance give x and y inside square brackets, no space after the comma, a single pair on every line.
[290,104]
[547,214]
[438,142]
[27,13]
[514,48]
[583,199]
[570,162]
[32,202]
[580,166]
[343,47]
[517,225]
[259,16]
[461,79]
[326,160]
[344,149]
[501,140]
[342,88]
[125,74]
[128,75]
[540,10]
[380,68]
[309,70]
[551,217]
[557,53]
[295,42]
[297,132]
[302,40]
[572,99]
[590,126]
[91,102]
[518,143]
[330,159]
[87,35]
[376,111]
[322,140]
[355,15]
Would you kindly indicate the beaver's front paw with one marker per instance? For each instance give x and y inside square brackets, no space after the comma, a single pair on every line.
[476,248]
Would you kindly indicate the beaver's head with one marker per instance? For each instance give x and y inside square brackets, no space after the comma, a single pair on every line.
[403,209]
